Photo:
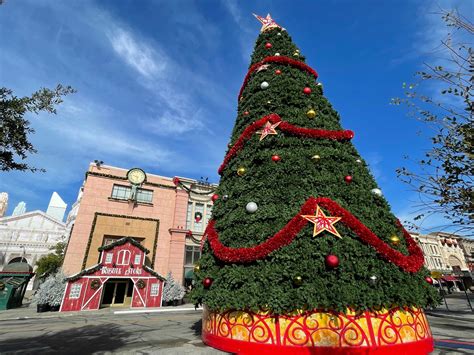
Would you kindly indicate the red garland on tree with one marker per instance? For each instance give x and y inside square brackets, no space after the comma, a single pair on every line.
[410,263]
[279,60]
[284,127]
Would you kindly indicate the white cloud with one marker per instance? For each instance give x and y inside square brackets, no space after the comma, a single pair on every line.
[140,56]
[247,37]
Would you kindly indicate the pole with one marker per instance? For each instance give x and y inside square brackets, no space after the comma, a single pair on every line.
[467,296]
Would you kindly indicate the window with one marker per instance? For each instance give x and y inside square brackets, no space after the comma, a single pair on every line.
[75,291]
[121,192]
[108,258]
[138,259]
[197,209]
[154,290]
[192,254]
[188,216]
[124,192]
[144,195]
[123,257]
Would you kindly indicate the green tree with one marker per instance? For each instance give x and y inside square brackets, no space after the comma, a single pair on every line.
[50,263]
[15,128]
[444,177]
[260,252]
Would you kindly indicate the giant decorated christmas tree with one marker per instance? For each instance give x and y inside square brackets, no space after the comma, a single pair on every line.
[302,254]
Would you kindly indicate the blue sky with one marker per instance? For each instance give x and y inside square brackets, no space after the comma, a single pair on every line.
[157,81]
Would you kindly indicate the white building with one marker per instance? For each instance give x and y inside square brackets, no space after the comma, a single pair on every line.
[28,237]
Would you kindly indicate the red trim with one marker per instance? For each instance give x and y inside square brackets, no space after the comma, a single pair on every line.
[449,278]
[279,60]
[410,263]
[419,347]
[284,127]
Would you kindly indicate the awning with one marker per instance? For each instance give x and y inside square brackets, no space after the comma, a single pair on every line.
[449,278]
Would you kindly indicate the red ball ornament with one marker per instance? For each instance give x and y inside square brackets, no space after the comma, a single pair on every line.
[268,45]
[278,72]
[276,158]
[214,197]
[307,90]
[207,282]
[332,261]
[348,179]
[429,280]
[246,113]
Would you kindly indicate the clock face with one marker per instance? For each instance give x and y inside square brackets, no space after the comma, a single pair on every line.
[136,176]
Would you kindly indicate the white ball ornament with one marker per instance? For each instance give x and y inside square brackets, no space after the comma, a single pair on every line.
[277,54]
[251,207]
[376,191]
[264,85]
[278,34]
[358,161]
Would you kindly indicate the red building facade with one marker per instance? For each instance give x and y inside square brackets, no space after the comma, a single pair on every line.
[120,278]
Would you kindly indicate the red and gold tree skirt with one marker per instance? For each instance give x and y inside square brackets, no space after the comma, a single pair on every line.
[395,331]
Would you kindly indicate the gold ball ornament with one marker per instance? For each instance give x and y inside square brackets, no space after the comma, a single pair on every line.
[197,268]
[315,157]
[296,54]
[297,280]
[311,113]
[394,240]
[241,171]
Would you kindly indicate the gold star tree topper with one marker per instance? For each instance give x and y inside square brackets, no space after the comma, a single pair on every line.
[322,222]
[267,23]
[268,129]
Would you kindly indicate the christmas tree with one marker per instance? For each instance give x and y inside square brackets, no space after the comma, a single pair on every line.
[303,250]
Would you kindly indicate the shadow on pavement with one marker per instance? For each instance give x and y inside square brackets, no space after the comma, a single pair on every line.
[83,340]
[197,328]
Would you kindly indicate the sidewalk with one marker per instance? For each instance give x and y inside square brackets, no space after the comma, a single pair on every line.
[26,312]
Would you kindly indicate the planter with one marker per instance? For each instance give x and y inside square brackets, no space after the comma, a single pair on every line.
[42,308]
[55,308]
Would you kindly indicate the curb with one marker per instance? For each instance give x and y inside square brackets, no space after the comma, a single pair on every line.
[159,310]
[449,316]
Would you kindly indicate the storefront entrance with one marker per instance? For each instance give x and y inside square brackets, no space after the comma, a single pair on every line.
[117,293]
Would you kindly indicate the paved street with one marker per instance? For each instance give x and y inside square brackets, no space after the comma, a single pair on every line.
[153,333]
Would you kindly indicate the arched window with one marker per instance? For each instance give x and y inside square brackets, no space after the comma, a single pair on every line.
[19,259]
[454,261]
[123,257]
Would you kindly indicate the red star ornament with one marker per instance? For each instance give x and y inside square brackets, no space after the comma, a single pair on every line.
[268,129]
[323,223]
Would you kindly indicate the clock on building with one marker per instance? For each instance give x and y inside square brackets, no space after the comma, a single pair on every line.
[136,176]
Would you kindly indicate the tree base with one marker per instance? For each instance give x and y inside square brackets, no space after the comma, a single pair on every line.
[395,331]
